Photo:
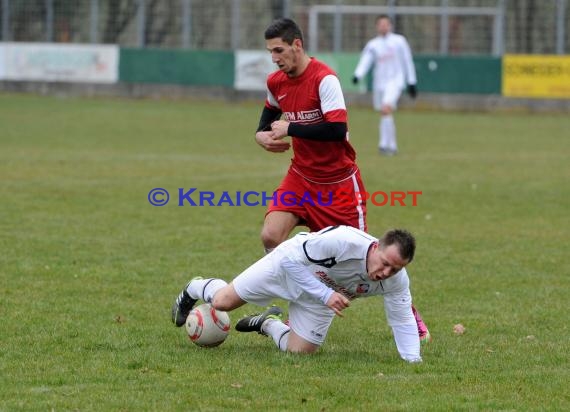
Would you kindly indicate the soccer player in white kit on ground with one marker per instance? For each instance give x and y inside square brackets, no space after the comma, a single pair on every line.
[318,273]
[391,56]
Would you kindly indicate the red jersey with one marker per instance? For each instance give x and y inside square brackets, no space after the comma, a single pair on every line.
[313,97]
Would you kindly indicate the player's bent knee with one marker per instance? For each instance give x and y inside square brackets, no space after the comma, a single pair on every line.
[277,227]
[297,344]
[271,238]
[307,350]
[226,299]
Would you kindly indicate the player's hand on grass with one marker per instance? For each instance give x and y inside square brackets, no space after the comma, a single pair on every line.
[338,302]
[270,142]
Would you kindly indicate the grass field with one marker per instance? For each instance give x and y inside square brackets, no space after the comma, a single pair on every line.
[89,269]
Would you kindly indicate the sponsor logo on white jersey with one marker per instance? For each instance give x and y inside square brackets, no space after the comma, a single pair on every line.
[324,278]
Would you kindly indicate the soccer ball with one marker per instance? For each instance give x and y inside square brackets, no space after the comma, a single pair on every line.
[206,326]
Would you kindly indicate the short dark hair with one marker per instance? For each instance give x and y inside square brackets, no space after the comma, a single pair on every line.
[403,239]
[384,16]
[284,28]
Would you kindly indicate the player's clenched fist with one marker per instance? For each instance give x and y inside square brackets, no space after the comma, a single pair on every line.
[271,143]
[338,302]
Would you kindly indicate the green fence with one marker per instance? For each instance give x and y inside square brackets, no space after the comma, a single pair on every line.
[471,75]
[436,74]
[197,68]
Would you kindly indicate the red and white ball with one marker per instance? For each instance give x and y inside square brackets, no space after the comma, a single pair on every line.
[206,326]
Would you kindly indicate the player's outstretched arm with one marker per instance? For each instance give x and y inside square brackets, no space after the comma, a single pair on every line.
[408,342]
[398,308]
[307,282]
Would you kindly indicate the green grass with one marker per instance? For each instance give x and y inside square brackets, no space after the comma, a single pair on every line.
[89,269]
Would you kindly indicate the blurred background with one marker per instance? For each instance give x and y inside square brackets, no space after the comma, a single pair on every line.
[458,27]
[469,54]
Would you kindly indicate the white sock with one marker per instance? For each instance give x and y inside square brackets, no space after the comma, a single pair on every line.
[205,289]
[278,331]
[389,129]
[383,134]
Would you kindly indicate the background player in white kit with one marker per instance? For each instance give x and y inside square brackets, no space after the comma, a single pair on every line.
[318,273]
[391,57]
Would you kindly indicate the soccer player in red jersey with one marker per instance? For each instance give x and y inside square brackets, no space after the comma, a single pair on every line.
[308,95]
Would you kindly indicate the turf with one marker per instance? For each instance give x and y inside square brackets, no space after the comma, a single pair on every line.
[89,269]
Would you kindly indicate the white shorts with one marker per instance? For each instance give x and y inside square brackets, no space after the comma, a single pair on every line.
[265,280]
[388,96]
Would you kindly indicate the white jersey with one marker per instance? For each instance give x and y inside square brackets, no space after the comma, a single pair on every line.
[306,270]
[392,60]
[334,259]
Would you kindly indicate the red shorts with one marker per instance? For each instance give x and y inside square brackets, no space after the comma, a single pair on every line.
[319,205]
